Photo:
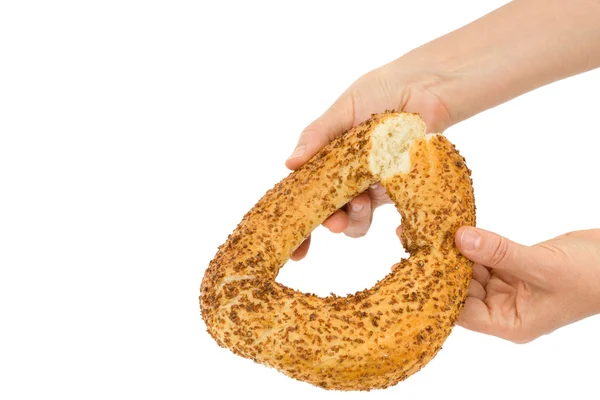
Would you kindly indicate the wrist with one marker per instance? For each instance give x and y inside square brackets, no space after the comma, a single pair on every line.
[513,50]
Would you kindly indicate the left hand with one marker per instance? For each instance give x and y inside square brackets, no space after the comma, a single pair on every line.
[398,85]
[520,293]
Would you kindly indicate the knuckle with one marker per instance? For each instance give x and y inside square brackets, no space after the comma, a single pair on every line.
[379,196]
[309,133]
[498,252]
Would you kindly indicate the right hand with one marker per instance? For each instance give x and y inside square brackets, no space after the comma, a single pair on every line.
[520,293]
[393,86]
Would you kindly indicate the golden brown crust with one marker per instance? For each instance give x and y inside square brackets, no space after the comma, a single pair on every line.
[376,337]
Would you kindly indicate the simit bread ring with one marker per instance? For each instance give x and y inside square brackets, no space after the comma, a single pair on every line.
[376,337]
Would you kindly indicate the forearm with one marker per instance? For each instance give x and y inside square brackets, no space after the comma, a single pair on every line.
[515,49]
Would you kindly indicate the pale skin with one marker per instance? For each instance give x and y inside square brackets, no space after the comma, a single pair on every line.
[518,292]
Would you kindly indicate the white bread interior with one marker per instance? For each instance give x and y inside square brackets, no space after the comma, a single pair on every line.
[391,140]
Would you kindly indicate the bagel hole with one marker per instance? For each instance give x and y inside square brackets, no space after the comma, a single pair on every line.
[342,265]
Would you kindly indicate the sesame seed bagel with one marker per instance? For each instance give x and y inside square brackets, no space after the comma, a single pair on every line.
[378,336]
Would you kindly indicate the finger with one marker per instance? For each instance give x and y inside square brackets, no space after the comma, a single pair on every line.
[378,196]
[399,234]
[481,274]
[475,316]
[335,121]
[359,216]
[301,251]
[337,222]
[476,290]
[495,251]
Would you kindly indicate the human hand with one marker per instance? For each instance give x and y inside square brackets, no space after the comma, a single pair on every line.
[394,86]
[520,293]
[458,75]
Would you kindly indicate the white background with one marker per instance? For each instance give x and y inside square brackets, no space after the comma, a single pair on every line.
[135,135]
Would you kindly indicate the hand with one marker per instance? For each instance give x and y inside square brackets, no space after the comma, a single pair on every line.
[393,86]
[520,293]
[458,75]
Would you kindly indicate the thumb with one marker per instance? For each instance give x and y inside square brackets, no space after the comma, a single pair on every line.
[495,251]
[335,121]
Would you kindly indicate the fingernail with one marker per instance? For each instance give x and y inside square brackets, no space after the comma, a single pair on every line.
[375,186]
[356,207]
[298,152]
[470,239]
